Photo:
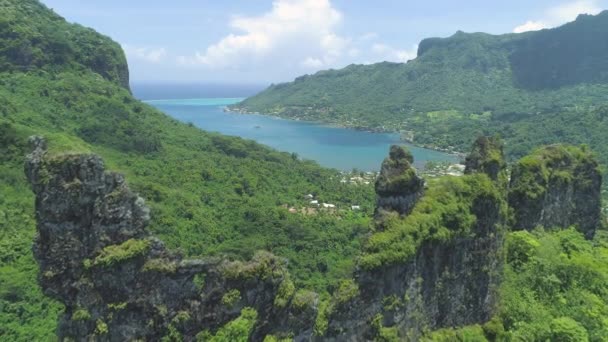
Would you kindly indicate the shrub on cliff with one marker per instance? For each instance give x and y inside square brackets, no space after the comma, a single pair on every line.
[445,212]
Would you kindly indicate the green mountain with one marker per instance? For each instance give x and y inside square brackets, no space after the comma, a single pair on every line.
[465,85]
[209,194]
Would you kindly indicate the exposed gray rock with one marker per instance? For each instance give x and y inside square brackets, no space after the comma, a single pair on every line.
[118,283]
[445,284]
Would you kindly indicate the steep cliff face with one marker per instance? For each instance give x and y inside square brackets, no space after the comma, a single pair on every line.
[119,283]
[433,263]
[557,186]
[438,266]
[398,187]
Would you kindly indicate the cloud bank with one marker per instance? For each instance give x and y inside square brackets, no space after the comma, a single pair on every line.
[560,15]
[293,34]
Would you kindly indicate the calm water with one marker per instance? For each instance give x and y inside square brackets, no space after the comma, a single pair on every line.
[334,147]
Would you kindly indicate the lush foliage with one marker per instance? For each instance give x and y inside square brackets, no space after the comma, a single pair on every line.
[558,163]
[555,287]
[33,38]
[115,254]
[446,211]
[231,297]
[237,330]
[209,194]
[285,293]
[215,195]
[473,333]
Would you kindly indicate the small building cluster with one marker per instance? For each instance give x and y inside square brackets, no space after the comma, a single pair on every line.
[358,178]
[313,206]
[315,203]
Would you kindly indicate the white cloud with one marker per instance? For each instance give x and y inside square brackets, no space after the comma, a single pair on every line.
[530,25]
[291,38]
[151,55]
[560,15]
[293,29]
[387,53]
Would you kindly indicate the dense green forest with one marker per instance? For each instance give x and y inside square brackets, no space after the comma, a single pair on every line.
[215,195]
[466,85]
[209,194]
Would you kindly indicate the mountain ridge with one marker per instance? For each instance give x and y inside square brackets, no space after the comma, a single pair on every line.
[460,87]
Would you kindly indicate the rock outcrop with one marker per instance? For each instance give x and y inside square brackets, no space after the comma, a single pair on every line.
[432,267]
[487,157]
[557,186]
[398,188]
[434,261]
[118,283]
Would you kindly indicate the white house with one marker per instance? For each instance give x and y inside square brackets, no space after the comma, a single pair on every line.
[355,207]
[328,205]
[315,202]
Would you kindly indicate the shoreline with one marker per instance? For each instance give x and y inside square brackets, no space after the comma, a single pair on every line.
[458,154]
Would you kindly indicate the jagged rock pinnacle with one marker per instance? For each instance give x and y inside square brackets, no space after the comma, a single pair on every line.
[487,157]
[398,187]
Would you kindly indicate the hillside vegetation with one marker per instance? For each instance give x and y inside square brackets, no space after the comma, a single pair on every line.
[466,85]
[209,194]
[215,195]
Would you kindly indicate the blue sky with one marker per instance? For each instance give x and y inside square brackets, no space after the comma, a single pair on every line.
[263,41]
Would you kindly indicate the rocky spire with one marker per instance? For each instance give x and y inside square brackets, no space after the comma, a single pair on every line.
[398,187]
[487,157]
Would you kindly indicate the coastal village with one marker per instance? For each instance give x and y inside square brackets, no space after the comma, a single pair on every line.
[310,204]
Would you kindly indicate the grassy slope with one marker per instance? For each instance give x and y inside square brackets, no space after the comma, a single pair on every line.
[209,194]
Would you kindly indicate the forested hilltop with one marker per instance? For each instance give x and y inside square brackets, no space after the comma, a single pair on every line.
[553,80]
[209,194]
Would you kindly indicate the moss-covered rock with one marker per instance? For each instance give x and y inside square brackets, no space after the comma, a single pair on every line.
[557,186]
[118,282]
[114,254]
[437,267]
[398,187]
[487,157]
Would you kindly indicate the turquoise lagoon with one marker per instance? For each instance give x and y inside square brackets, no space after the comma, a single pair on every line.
[335,147]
